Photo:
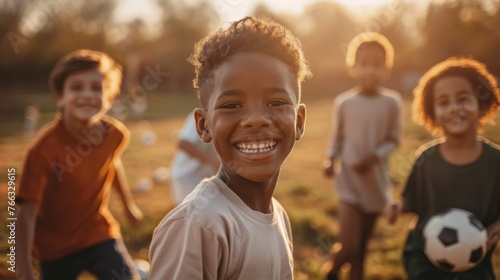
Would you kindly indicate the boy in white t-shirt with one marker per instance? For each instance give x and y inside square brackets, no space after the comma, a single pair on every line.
[194,161]
[248,78]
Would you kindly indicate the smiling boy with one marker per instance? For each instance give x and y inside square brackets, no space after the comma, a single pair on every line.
[230,227]
[68,174]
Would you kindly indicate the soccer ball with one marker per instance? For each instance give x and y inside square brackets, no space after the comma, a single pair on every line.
[161,174]
[148,137]
[144,184]
[455,240]
[142,268]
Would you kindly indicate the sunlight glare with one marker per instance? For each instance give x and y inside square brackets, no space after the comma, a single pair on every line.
[231,10]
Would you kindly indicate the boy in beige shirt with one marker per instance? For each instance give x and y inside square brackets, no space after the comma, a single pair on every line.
[248,80]
[366,130]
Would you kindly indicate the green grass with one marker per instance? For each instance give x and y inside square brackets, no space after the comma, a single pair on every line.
[307,196]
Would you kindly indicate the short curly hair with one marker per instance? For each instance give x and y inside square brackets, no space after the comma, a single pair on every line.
[366,39]
[250,34]
[83,60]
[483,83]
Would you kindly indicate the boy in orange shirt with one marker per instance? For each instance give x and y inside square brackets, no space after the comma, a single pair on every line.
[64,220]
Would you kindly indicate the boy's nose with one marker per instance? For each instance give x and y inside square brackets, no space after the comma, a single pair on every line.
[454,106]
[256,117]
[87,92]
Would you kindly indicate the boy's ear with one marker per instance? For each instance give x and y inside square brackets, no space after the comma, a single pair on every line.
[351,72]
[59,98]
[388,73]
[201,125]
[482,111]
[300,125]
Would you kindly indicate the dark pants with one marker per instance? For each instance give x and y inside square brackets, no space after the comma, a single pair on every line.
[108,260]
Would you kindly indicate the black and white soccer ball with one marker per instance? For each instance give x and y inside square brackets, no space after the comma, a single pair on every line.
[455,240]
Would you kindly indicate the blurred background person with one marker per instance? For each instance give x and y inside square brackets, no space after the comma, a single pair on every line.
[193,162]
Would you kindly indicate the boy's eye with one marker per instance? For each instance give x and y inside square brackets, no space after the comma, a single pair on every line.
[76,87]
[275,103]
[231,105]
[96,87]
[464,99]
[443,103]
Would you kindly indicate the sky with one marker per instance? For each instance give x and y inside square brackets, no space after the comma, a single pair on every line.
[231,10]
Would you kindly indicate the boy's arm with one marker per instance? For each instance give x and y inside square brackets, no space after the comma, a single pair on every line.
[184,249]
[195,152]
[408,200]
[336,140]
[390,143]
[494,229]
[132,212]
[493,234]
[26,218]
[392,211]
[394,134]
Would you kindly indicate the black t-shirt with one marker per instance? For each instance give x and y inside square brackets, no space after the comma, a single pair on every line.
[436,185]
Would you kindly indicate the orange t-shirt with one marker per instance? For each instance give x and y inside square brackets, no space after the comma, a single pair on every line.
[70,182]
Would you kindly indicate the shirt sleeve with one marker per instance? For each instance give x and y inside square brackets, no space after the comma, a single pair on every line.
[498,188]
[122,136]
[410,192]
[36,176]
[337,137]
[184,249]
[391,142]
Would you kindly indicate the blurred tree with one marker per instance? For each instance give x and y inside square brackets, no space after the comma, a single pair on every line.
[399,22]
[39,33]
[325,30]
[462,27]
[287,20]
[183,25]
[11,13]
[34,34]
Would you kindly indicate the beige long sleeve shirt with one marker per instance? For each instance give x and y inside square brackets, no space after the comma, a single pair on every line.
[363,126]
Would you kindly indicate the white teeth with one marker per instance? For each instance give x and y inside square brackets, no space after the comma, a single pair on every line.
[256,147]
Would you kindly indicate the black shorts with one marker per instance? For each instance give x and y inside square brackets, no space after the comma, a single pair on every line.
[106,260]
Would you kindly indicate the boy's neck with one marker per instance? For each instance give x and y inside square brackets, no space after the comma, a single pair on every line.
[257,196]
[76,128]
[462,149]
[369,92]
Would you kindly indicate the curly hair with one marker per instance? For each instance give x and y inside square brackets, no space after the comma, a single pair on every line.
[83,60]
[249,34]
[483,83]
[366,39]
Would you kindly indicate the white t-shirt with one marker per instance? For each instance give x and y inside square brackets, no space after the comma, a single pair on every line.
[187,172]
[213,234]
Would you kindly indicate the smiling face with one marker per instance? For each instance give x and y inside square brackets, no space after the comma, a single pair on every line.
[82,98]
[456,108]
[252,115]
[369,67]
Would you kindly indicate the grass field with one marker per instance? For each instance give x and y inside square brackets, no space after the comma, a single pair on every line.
[302,189]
